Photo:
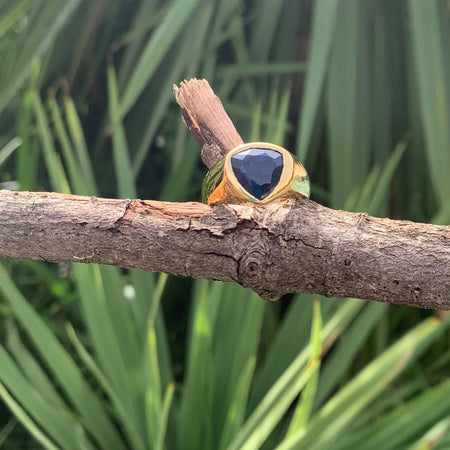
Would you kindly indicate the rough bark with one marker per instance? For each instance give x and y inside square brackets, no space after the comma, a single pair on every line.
[207,120]
[296,246]
[283,247]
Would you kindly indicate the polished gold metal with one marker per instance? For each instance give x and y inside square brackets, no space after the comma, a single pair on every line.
[294,181]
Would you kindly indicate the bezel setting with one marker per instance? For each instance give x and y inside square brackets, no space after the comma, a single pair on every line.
[286,179]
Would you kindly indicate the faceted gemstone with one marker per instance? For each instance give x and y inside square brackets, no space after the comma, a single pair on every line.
[258,170]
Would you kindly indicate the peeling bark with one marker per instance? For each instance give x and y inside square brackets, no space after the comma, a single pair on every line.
[286,247]
[292,246]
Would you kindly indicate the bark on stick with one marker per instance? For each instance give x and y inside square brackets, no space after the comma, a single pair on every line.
[283,247]
[296,246]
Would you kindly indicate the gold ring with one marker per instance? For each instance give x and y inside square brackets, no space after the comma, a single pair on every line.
[256,172]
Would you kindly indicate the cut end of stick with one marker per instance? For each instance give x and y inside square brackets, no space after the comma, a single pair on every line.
[207,120]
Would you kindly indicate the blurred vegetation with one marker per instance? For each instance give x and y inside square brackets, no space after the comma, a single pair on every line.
[99,357]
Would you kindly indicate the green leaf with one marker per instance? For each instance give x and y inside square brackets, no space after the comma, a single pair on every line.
[28,152]
[55,169]
[344,407]
[93,415]
[325,13]
[12,422]
[238,402]
[105,339]
[147,300]
[274,405]
[158,96]
[236,338]
[258,69]
[8,149]
[157,47]
[118,310]
[348,103]
[153,386]
[120,408]
[430,58]
[292,338]
[78,179]
[47,26]
[304,406]
[281,394]
[195,430]
[159,442]
[31,368]
[433,436]
[265,28]
[122,163]
[340,361]
[382,187]
[13,14]
[63,428]
[79,143]
[25,419]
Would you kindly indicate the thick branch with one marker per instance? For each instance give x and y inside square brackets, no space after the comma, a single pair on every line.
[285,247]
[276,249]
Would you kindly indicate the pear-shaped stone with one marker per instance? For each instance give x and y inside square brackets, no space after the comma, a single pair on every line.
[258,170]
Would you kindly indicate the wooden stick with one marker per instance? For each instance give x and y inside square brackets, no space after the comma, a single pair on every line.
[296,246]
[207,120]
[283,247]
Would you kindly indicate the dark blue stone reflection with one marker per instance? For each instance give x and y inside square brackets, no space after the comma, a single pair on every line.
[258,170]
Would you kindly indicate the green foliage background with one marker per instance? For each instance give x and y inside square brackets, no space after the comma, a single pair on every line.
[99,357]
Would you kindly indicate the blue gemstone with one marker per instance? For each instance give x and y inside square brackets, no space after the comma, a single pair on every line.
[258,170]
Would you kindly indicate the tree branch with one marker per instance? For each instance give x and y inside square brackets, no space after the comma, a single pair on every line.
[296,246]
[282,247]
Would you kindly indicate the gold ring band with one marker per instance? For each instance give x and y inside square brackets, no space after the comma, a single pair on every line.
[256,172]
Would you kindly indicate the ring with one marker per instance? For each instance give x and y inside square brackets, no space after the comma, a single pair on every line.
[256,172]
